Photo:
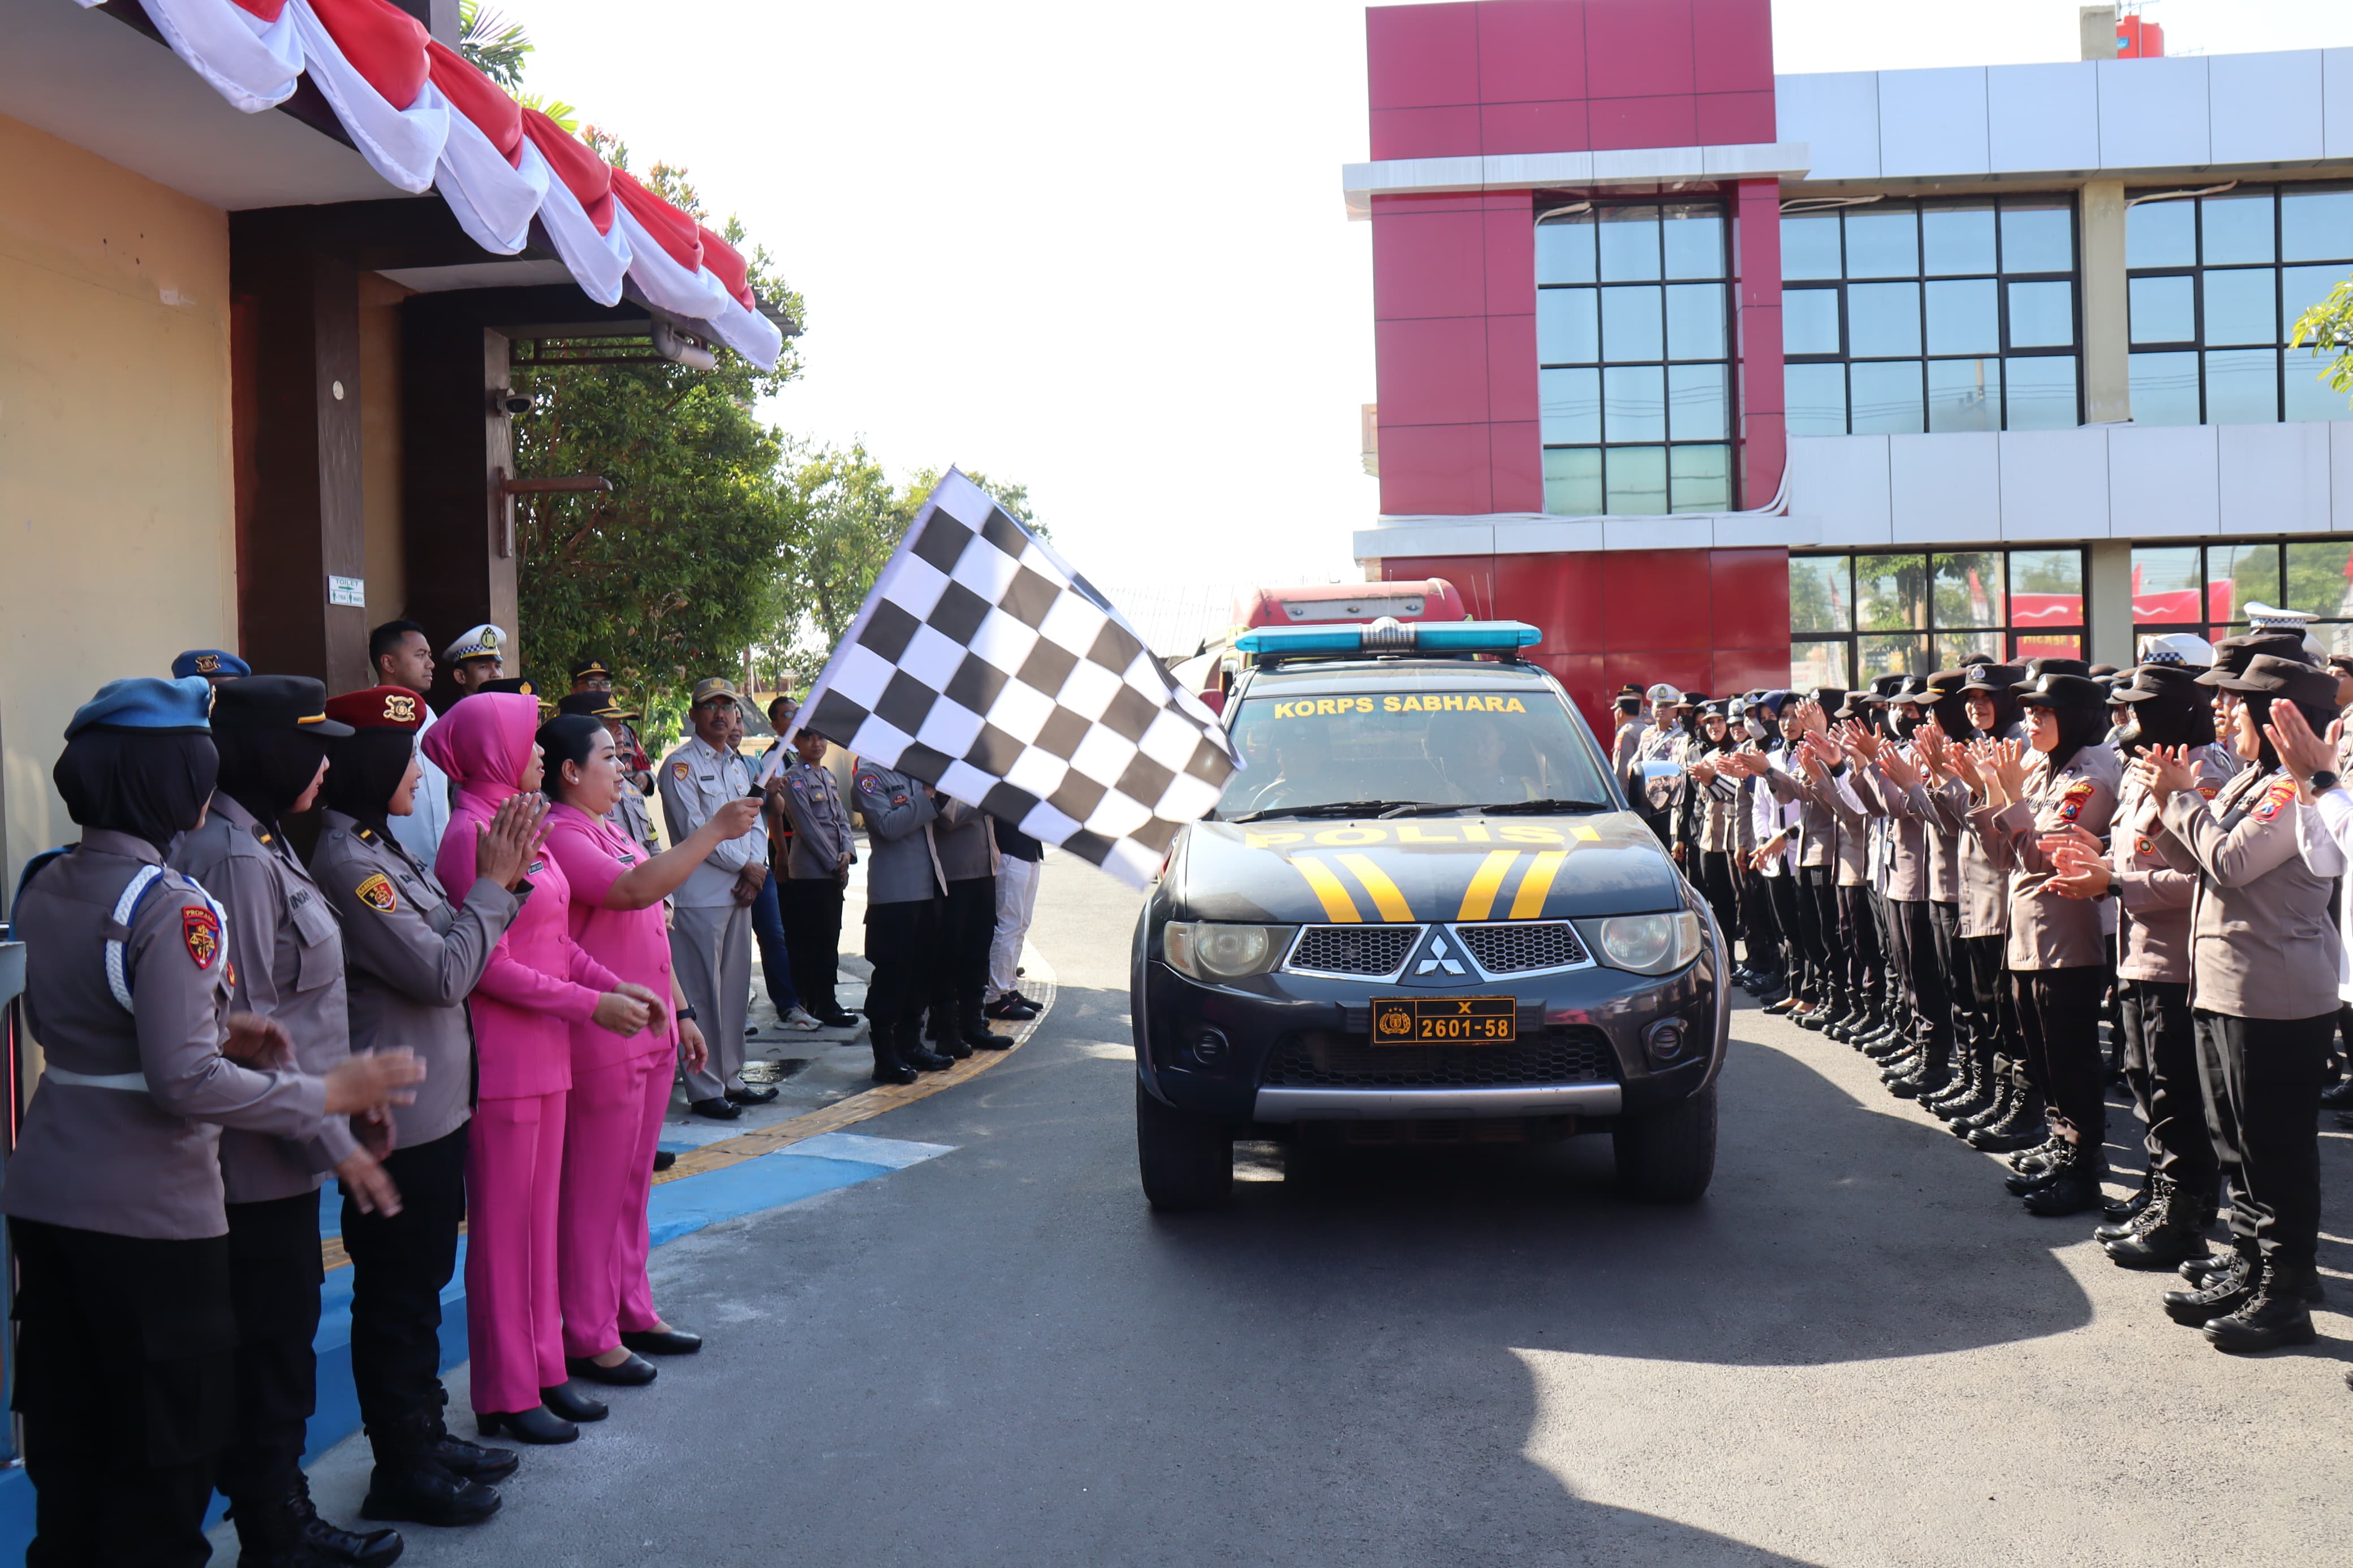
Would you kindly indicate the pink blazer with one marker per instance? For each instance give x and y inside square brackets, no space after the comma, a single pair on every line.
[632,944]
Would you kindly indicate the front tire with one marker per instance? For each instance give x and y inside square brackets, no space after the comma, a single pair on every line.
[1187,1163]
[1668,1156]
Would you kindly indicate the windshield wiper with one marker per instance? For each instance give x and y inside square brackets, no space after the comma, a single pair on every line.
[1327,808]
[1546,807]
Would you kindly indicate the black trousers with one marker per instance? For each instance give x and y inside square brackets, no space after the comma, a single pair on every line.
[1891,939]
[1858,940]
[1782,893]
[1764,926]
[812,910]
[125,1379]
[968,925]
[1818,926]
[1715,882]
[2059,1023]
[276,1273]
[1944,942]
[902,942]
[1977,995]
[2263,1081]
[400,1263]
[2161,1069]
[1924,973]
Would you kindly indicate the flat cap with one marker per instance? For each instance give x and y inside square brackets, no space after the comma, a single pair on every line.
[720,686]
[2232,654]
[485,641]
[276,702]
[2269,675]
[1993,677]
[2177,648]
[2153,681]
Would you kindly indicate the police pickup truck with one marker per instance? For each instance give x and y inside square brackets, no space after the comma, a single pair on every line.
[1422,913]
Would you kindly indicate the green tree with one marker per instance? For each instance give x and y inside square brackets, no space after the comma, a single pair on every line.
[491,44]
[2328,329]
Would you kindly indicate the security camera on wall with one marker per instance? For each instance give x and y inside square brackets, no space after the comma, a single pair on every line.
[506,400]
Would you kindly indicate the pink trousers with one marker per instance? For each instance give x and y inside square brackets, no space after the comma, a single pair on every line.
[514,1166]
[608,1166]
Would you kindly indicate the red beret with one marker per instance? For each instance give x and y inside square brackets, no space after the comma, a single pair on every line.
[379,707]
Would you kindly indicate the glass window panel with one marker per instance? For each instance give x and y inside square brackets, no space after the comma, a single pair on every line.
[2309,395]
[2046,645]
[2315,225]
[1964,394]
[1964,318]
[2242,386]
[2041,315]
[1951,648]
[2164,389]
[1809,246]
[1570,402]
[1816,396]
[2238,575]
[2161,234]
[2038,236]
[1817,595]
[2163,311]
[2242,306]
[1697,404]
[1809,321]
[2236,227]
[1637,481]
[1695,241]
[1815,664]
[1967,589]
[2216,634]
[2319,574]
[1891,592]
[1887,397]
[1879,656]
[1695,320]
[1573,482]
[1883,319]
[1634,403]
[1957,239]
[1566,327]
[1565,249]
[2046,595]
[2166,587]
[1700,478]
[1631,324]
[1883,241]
[2042,393]
[2302,287]
[1629,244]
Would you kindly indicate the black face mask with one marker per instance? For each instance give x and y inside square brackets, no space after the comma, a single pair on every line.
[148,783]
[1904,723]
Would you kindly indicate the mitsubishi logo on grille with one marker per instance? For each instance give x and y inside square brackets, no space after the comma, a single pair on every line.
[1438,959]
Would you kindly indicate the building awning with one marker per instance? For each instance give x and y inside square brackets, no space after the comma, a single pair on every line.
[426,120]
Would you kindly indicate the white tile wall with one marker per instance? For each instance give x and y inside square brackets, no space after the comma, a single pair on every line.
[2274,478]
[2153,113]
[2161,482]
[2055,483]
[2337,103]
[1838,486]
[1934,124]
[1945,488]
[2042,118]
[2265,108]
[1836,114]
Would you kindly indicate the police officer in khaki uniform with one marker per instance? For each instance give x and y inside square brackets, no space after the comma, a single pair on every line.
[711,916]
[817,858]
[411,955]
[903,886]
[127,1330]
[272,732]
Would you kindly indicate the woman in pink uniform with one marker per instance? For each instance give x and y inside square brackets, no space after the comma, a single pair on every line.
[538,984]
[620,1089]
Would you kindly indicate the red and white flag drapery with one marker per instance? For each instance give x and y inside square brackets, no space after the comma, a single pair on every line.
[427,120]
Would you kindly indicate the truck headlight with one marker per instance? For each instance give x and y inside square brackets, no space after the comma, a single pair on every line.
[1218,950]
[1646,944]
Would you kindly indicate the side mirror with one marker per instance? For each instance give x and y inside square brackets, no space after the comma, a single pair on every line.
[1215,701]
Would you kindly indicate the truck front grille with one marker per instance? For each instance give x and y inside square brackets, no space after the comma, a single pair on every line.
[1321,1059]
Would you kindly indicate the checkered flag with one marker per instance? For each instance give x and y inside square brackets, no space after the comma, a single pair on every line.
[983,665]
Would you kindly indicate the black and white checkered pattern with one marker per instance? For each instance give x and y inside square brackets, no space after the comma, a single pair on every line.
[983,665]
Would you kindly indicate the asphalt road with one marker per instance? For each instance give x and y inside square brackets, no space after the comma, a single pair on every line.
[1856,1352]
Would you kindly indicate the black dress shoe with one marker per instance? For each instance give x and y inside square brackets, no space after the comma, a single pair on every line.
[987,1039]
[921,1057]
[536,1425]
[749,1096]
[326,1542]
[422,1492]
[662,1342]
[665,1158]
[1006,1009]
[956,1047]
[2339,1096]
[634,1372]
[717,1108]
[573,1403]
[839,1020]
[472,1460]
[1019,1000]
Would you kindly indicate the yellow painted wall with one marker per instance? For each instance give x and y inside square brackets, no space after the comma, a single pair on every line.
[380,515]
[117,523]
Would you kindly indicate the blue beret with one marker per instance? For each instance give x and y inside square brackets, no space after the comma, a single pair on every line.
[208,661]
[161,707]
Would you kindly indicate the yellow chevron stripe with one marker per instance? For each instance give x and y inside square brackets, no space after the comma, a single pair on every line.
[1337,905]
[1479,898]
[1386,896]
[1528,902]
[1586,834]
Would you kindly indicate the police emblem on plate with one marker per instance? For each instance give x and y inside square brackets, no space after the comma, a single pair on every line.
[200,929]
[377,894]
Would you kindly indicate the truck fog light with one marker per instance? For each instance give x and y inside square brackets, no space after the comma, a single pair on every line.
[1209,1047]
[1665,1039]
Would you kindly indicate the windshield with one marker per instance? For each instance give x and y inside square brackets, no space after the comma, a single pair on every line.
[1399,748]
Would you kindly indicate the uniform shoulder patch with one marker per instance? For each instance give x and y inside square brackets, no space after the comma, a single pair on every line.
[678,769]
[376,893]
[2071,804]
[2278,793]
[2210,790]
[200,930]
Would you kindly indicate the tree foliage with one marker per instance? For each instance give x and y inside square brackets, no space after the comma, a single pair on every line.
[2327,328]
[491,44]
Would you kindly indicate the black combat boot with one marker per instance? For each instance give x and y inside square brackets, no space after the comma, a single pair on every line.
[2121,1217]
[2073,1186]
[2276,1313]
[888,1068]
[915,1053]
[2170,1231]
[2024,1127]
[2222,1293]
[409,1483]
[1967,1091]
[286,1532]
[2035,1167]
[2000,1085]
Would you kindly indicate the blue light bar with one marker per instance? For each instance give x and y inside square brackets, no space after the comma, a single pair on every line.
[1430,637]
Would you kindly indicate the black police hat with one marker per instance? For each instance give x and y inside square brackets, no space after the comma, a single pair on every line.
[591,666]
[2157,682]
[2063,689]
[2233,654]
[1829,698]
[594,705]
[1946,683]
[1992,677]
[514,685]
[2268,674]
[2057,665]
[276,702]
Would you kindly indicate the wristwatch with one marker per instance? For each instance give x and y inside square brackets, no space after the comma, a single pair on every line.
[684,1015]
[2323,782]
